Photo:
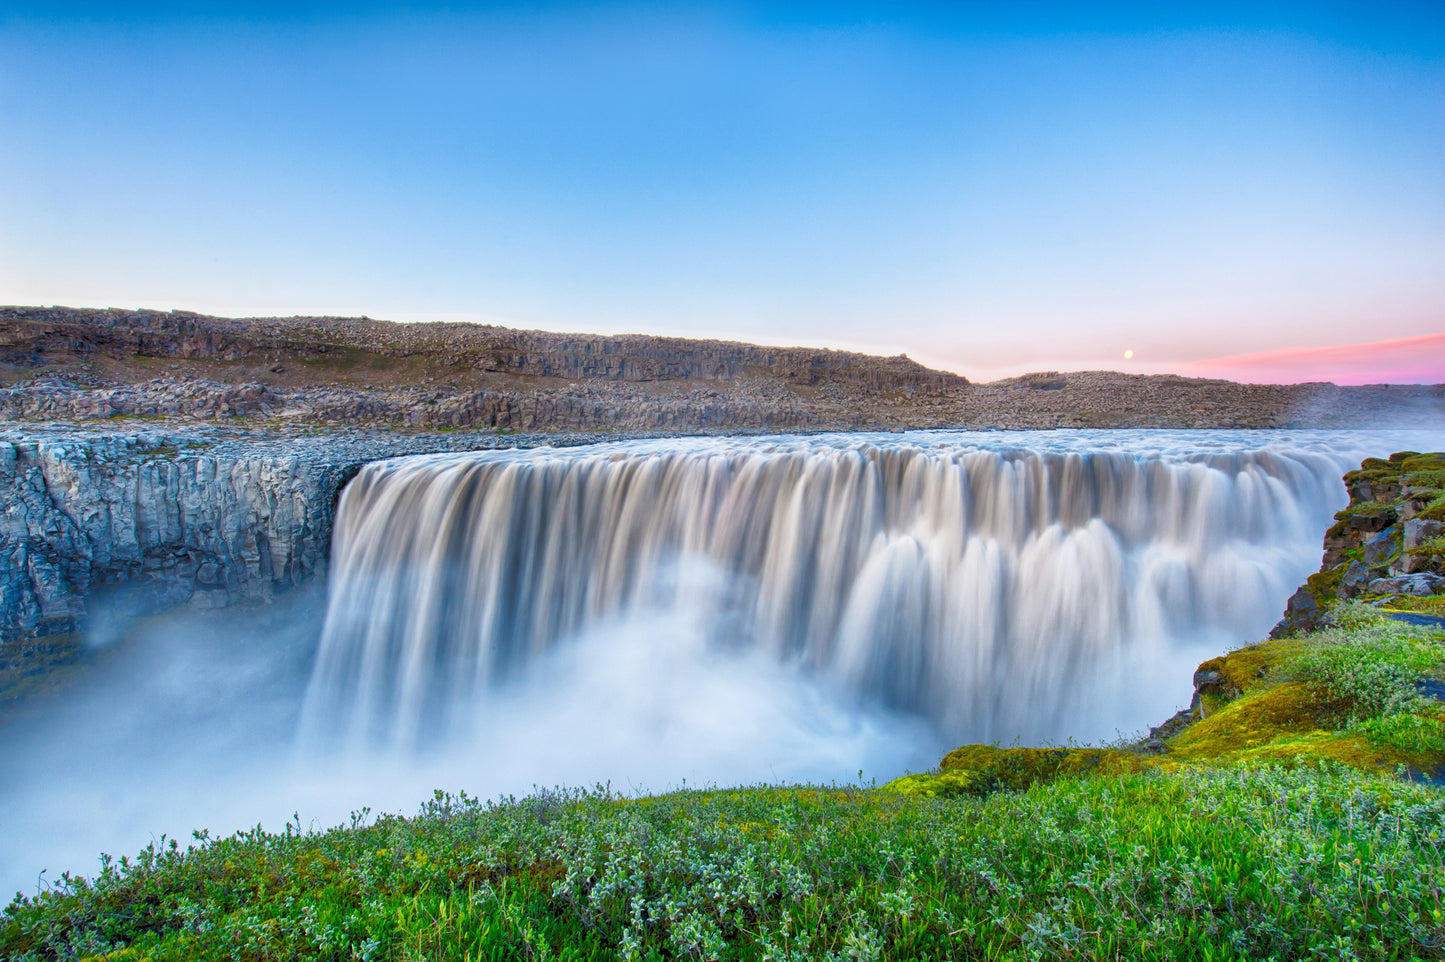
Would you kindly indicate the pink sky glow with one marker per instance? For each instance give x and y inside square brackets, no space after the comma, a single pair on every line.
[1405,360]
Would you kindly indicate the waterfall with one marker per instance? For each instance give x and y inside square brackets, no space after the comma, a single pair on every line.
[991,588]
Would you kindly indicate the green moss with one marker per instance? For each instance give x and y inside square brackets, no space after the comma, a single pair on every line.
[1432,547]
[1424,462]
[1325,585]
[988,766]
[1345,695]
[1427,605]
[940,784]
[1245,669]
[1251,722]
[1290,724]
[1365,509]
[1434,511]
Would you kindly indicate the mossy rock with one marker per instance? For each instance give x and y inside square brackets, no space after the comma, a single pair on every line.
[941,784]
[1244,669]
[1250,723]
[1373,466]
[1430,548]
[981,769]
[1423,462]
[1366,509]
[1289,724]
[1419,481]
[1325,585]
[1019,768]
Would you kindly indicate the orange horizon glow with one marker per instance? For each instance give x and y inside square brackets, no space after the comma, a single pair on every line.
[1404,360]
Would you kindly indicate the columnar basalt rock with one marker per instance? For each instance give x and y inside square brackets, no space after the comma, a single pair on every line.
[187,528]
[174,518]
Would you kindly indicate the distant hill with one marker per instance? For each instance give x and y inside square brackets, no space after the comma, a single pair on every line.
[64,363]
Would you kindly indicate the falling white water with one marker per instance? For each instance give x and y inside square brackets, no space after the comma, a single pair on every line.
[996,591]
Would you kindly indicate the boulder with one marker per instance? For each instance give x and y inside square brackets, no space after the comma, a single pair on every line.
[1377,520]
[1357,576]
[1421,584]
[1382,547]
[1412,507]
[1302,613]
[1417,531]
[1408,564]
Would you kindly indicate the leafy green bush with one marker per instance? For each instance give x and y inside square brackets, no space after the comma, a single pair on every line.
[1373,667]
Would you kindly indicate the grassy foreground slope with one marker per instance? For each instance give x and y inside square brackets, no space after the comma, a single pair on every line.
[1276,827]
[1205,864]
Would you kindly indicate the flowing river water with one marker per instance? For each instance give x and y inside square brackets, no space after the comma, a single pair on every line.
[712,610]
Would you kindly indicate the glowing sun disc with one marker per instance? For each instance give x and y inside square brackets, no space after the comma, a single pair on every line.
[1128,354]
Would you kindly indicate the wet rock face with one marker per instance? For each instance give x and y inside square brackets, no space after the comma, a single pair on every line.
[85,514]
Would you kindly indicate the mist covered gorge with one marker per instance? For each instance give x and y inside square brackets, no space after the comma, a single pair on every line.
[269,626]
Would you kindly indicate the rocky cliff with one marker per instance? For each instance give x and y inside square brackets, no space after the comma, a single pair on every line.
[1387,546]
[193,517]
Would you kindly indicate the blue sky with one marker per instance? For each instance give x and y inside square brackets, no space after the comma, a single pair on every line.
[990,188]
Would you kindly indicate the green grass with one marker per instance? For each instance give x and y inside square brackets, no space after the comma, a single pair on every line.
[1202,864]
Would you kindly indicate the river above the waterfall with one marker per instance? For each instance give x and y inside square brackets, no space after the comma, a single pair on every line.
[708,610]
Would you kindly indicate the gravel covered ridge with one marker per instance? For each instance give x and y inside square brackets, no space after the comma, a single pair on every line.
[86,365]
